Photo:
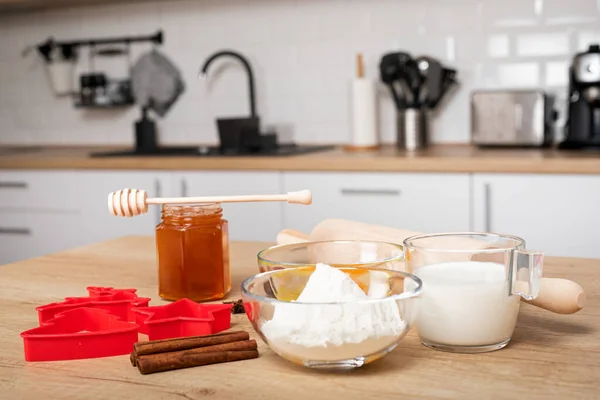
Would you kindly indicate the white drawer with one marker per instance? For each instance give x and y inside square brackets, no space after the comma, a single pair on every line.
[41,190]
[420,202]
[25,235]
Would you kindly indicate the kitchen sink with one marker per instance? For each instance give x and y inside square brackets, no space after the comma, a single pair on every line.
[214,151]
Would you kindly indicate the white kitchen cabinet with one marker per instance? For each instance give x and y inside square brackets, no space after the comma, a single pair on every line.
[38,190]
[32,233]
[39,213]
[44,212]
[417,201]
[97,223]
[247,221]
[556,214]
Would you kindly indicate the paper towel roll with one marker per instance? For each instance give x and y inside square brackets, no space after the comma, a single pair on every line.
[364,121]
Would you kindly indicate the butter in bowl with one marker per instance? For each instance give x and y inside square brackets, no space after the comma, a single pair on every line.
[343,317]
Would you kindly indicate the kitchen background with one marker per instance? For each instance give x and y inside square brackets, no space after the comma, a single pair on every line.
[303,55]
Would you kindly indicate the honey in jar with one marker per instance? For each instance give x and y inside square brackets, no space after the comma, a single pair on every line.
[192,243]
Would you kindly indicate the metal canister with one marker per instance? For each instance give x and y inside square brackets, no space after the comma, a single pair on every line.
[412,129]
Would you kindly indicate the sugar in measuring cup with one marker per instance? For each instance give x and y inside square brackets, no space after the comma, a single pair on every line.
[472,284]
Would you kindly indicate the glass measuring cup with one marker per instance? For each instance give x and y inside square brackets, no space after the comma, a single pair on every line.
[472,285]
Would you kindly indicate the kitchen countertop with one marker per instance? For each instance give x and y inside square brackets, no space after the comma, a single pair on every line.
[448,158]
[550,356]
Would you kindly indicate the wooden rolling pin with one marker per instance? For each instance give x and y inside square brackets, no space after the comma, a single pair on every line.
[557,295]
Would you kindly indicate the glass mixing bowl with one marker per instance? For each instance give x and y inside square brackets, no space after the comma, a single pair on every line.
[337,253]
[338,335]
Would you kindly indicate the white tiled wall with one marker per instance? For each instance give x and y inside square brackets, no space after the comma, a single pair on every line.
[302,52]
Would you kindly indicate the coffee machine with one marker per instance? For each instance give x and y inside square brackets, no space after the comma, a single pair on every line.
[583,122]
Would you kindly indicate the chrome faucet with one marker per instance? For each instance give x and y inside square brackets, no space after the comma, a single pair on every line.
[246,65]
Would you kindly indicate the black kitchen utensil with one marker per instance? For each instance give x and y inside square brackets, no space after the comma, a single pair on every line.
[433,85]
[388,72]
[415,83]
[423,64]
[391,70]
[448,79]
[413,77]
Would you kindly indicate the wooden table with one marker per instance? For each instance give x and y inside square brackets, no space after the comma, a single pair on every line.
[550,356]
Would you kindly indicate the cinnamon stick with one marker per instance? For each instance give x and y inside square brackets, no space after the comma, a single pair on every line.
[218,348]
[233,346]
[165,345]
[151,364]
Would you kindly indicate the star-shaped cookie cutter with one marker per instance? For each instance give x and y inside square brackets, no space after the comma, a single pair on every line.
[182,318]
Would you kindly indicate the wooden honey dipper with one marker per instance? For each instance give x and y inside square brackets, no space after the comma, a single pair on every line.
[132,202]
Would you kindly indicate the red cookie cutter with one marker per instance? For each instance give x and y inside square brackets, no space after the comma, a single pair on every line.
[118,302]
[182,318]
[80,333]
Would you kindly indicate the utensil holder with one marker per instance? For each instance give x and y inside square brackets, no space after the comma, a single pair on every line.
[412,129]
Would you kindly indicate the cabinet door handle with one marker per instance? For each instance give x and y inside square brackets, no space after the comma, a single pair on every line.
[487,199]
[14,231]
[13,185]
[184,188]
[371,192]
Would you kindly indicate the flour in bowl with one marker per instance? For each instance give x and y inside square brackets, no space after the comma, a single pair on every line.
[329,332]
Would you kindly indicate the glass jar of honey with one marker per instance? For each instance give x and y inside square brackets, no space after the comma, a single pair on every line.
[192,243]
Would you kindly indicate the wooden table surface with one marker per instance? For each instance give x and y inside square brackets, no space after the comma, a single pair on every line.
[447,158]
[550,356]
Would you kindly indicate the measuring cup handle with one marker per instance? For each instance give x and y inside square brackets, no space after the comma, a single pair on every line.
[526,272]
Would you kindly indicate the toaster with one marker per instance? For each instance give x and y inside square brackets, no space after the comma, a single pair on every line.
[512,118]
